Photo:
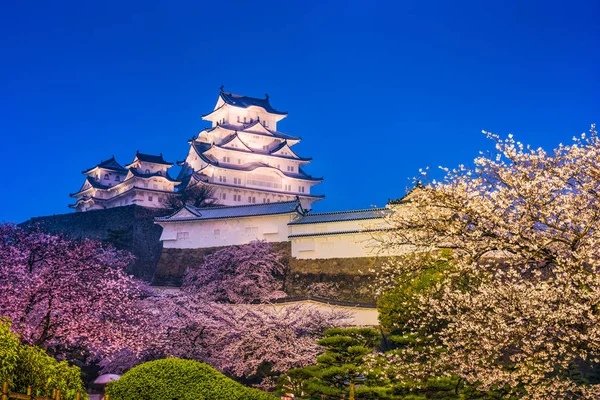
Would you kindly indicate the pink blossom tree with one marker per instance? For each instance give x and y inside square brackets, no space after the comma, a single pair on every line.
[260,342]
[64,295]
[239,274]
[255,343]
[518,305]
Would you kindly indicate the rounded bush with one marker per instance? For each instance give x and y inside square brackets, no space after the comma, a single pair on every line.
[173,378]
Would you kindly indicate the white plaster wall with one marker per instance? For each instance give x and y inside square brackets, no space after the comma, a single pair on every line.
[358,316]
[335,246]
[231,231]
[340,226]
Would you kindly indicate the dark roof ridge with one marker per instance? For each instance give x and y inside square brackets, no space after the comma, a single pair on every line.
[249,205]
[350,211]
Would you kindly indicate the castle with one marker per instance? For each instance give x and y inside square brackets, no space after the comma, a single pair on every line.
[255,178]
[241,157]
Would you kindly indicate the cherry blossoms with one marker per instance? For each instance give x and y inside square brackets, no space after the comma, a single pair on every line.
[518,308]
[239,274]
[63,294]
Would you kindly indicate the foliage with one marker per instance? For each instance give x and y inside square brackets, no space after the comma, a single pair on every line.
[174,378]
[65,295]
[517,311]
[23,365]
[198,195]
[339,370]
[239,274]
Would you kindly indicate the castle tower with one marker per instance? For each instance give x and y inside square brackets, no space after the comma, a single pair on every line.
[145,182]
[244,158]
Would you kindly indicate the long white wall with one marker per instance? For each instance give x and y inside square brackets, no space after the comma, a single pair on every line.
[332,240]
[225,232]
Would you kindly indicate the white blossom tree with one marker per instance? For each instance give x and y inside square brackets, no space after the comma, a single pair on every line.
[518,308]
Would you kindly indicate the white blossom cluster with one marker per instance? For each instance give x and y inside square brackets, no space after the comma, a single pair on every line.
[518,308]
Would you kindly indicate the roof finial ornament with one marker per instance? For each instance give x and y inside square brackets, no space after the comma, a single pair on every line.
[222,87]
[267,96]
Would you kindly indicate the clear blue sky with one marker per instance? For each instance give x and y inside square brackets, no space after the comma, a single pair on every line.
[376,89]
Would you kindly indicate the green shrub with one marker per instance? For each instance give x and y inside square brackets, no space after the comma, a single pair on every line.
[173,378]
[22,366]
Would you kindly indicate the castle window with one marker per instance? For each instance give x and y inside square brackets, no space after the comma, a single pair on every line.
[223,196]
[217,232]
[105,176]
[237,197]
[251,199]
[149,198]
[183,235]
[301,189]
[266,124]
[146,184]
[238,118]
[244,119]
[251,120]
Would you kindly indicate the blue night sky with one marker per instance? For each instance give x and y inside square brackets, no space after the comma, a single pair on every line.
[376,90]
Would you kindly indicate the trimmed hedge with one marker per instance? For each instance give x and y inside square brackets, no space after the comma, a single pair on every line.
[173,378]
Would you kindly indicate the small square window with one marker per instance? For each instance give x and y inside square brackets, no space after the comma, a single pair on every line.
[149,198]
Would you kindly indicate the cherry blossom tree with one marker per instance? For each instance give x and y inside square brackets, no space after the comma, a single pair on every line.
[518,306]
[64,295]
[263,342]
[255,343]
[239,274]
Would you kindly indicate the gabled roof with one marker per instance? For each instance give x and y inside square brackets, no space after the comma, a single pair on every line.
[238,100]
[149,158]
[138,174]
[89,184]
[285,145]
[249,150]
[352,215]
[222,212]
[110,164]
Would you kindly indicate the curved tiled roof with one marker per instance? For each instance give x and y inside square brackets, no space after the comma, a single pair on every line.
[338,216]
[138,174]
[268,153]
[238,100]
[275,134]
[110,164]
[255,165]
[149,158]
[311,234]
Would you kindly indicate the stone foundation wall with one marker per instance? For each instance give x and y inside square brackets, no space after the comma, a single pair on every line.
[173,263]
[351,277]
[128,228]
